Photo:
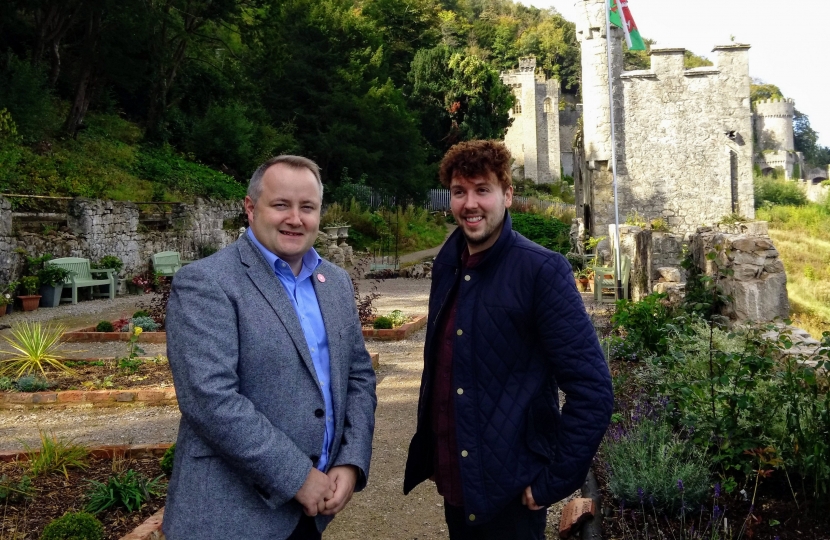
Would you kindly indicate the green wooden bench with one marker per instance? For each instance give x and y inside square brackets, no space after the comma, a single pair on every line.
[610,282]
[81,275]
[167,263]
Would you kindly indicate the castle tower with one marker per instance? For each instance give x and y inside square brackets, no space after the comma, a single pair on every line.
[775,137]
[533,137]
[594,181]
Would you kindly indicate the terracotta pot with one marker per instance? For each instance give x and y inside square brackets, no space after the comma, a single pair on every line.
[3,311]
[29,303]
[582,284]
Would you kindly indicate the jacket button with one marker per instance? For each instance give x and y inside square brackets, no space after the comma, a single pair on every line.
[464,453]
[459,331]
[460,391]
[467,277]
[319,413]
[472,517]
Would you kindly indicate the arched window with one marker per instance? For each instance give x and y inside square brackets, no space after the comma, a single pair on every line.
[548,105]
[517,108]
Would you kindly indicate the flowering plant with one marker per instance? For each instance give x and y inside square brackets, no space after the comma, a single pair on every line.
[141,280]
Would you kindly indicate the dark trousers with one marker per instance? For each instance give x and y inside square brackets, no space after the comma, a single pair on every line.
[515,522]
[306,530]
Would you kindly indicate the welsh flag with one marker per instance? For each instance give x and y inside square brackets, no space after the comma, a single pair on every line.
[632,34]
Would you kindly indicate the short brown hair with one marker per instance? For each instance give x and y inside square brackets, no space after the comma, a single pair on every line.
[474,158]
[295,162]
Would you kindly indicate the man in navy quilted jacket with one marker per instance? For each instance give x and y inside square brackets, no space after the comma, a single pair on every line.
[506,330]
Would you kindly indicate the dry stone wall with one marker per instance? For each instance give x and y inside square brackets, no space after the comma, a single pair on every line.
[98,228]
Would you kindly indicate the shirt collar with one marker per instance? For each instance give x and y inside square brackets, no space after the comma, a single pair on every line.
[311,259]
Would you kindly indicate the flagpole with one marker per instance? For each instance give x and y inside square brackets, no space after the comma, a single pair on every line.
[617,259]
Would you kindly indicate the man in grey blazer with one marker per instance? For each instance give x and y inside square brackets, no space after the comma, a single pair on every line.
[275,386]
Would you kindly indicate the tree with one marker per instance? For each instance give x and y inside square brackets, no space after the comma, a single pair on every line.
[806,141]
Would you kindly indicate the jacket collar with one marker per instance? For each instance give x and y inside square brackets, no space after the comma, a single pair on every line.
[456,244]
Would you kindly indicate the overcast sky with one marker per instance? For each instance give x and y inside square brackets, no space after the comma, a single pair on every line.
[790,41]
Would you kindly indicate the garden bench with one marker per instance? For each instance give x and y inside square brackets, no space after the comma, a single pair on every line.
[610,282]
[81,275]
[167,263]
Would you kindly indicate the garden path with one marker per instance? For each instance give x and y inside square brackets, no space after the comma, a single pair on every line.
[418,256]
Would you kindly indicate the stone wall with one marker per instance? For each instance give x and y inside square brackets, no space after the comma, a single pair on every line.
[758,283]
[98,228]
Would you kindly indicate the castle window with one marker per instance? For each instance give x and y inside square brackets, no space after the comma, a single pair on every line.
[548,105]
[517,108]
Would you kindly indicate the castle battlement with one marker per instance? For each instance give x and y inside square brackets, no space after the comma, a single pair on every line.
[775,108]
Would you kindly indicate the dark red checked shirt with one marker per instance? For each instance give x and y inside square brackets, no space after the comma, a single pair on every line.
[447,466]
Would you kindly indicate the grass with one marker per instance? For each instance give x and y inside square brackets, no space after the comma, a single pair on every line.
[56,455]
[802,236]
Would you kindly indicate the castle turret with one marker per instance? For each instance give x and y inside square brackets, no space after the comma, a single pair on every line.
[774,124]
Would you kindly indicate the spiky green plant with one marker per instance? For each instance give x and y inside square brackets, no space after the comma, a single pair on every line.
[56,454]
[35,347]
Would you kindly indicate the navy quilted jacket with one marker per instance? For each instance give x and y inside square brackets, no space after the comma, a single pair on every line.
[522,332]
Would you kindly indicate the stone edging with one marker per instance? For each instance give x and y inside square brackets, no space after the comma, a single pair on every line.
[89,335]
[396,334]
[105,452]
[89,398]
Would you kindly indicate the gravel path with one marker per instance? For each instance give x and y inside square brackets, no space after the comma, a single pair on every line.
[380,512]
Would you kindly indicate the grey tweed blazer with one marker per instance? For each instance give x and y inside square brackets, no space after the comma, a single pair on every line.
[249,396]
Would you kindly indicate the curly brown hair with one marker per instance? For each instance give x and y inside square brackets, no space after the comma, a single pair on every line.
[474,158]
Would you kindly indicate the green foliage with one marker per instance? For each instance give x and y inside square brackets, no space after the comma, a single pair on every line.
[645,323]
[15,492]
[6,384]
[24,93]
[759,91]
[74,526]
[110,261]
[53,275]
[397,317]
[129,490]
[104,326]
[383,323]
[777,192]
[30,284]
[806,141]
[34,347]
[140,313]
[56,455]
[31,383]
[167,460]
[163,166]
[648,462]
[547,232]
[146,323]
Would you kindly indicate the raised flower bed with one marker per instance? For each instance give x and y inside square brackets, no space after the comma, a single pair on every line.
[395,334]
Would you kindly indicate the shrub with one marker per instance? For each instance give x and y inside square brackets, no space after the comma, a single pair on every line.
[147,324]
[130,490]
[397,317]
[140,313]
[52,275]
[110,261]
[31,383]
[382,323]
[649,463]
[74,526]
[6,384]
[644,322]
[166,462]
[778,192]
[547,232]
[105,326]
[34,347]
[164,166]
[56,455]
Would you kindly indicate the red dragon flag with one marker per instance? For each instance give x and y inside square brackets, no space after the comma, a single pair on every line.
[632,34]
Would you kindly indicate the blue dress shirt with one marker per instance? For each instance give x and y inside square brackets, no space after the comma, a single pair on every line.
[300,290]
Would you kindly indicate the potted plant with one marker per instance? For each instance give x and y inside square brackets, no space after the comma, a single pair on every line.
[30,300]
[140,284]
[51,280]
[113,262]
[583,278]
[7,298]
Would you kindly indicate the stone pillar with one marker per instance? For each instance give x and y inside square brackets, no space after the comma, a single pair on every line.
[7,244]
[637,244]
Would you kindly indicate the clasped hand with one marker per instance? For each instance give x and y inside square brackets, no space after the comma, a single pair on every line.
[327,493]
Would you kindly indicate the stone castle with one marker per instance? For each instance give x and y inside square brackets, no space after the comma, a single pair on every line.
[687,139]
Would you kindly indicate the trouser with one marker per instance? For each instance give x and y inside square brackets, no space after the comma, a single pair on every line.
[514,522]
[306,530]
